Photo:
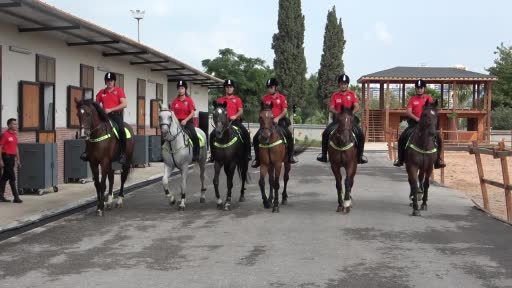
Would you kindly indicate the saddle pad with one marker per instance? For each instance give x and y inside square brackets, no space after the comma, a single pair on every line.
[202,141]
[126,131]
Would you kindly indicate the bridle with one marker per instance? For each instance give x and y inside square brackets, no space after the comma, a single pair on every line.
[171,137]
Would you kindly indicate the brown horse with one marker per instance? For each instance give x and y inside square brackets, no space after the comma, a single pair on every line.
[343,153]
[102,148]
[420,155]
[272,155]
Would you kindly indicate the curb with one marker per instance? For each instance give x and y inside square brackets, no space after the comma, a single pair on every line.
[48,216]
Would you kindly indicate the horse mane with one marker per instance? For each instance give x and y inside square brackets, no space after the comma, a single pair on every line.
[89,102]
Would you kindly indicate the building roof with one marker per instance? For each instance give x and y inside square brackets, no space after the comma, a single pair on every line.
[34,16]
[427,73]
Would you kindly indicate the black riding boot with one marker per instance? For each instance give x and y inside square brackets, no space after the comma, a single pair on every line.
[439,162]
[291,148]
[361,159]
[212,149]
[325,143]
[256,144]
[399,162]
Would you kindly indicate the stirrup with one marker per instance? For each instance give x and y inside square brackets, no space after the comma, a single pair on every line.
[362,160]
[255,163]
[439,164]
[321,158]
[398,163]
[84,157]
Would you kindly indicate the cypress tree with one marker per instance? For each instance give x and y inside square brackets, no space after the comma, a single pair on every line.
[288,45]
[331,64]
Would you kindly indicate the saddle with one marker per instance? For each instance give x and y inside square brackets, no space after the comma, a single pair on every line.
[202,141]
[115,128]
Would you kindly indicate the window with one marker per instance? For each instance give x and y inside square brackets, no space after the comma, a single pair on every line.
[78,94]
[29,99]
[155,107]
[120,80]
[141,106]
[159,91]
[45,69]
[86,76]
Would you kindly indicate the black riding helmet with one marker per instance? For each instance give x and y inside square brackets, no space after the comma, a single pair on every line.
[181,83]
[229,82]
[420,84]
[110,76]
[343,78]
[272,82]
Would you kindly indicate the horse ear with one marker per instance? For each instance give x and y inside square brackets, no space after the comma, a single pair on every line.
[436,102]
[161,105]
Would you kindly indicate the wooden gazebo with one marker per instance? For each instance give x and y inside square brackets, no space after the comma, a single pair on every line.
[382,117]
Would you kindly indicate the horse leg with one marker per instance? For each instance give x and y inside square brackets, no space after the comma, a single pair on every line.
[124,176]
[230,173]
[184,174]
[426,185]
[277,174]
[110,194]
[243,170]
[286,177]
[96,178]
[261,182]
[202,164]
[271,184]
[421,177]
[165,184]
[349,182]
[412,172]
[218,166]
[103,188]
[336,170]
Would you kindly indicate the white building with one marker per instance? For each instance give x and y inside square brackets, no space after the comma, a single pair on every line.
[48,57]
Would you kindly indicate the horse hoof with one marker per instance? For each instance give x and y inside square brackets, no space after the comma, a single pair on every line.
[202,200]
[227,208]
[99,212]
[416,213]
[347,210]
[339,209]
[181,208]
[219,206]
[172,202]
[410,204]
[203,189]
[242,199]
[284,202]
[266,204]
[275,210]
[424,207]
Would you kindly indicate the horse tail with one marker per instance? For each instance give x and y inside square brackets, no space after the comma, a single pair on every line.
[243,169]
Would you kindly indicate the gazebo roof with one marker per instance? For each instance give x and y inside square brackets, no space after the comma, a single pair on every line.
[441,74]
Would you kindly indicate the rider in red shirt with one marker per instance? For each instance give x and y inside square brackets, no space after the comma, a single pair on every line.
[184,109]
[113,100]
[10,157]
[343,98]
[235,110]
[414,110]
[279,110]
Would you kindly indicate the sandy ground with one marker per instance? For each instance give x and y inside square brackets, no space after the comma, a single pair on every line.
[461,174]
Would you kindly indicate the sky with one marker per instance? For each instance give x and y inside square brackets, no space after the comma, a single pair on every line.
[379,34]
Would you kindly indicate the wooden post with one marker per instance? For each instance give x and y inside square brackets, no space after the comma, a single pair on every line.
[474,96]
[506,180]
[363,110]
[480,169]
[366,135]
[442,96]
[489,97]
[478,96]
[442,156]
[390,145]
[403,95]
[386,125]
[455,96]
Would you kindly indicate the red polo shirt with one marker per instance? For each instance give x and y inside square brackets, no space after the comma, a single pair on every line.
[182,108]
[110,99]
[278,103]
[9,142]
[234,103]
[416,103]
[340,100]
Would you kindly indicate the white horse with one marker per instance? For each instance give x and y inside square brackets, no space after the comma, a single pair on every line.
[177,152]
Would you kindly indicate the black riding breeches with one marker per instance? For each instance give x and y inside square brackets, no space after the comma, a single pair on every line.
[8,175]
[117,117]
[191,131]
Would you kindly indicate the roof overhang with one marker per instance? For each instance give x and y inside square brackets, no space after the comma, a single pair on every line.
[34,16]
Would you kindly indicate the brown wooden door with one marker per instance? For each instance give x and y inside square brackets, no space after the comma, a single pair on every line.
[74,93]
[46,137]
[141,116]
[29,103]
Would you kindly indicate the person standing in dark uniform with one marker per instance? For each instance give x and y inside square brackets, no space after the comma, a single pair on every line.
[184,109]
[10,157]
[235,110]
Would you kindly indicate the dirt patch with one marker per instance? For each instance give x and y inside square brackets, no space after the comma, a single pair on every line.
[461,174]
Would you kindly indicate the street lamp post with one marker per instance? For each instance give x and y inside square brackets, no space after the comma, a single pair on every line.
[138,15]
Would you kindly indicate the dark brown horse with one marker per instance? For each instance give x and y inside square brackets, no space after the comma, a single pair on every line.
[343,153]
[102,148]
[420,155]
[272,155]
[230,153]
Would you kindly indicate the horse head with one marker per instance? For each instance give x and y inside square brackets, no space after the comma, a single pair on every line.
[90,116]
[167,122]
[345,120]
[220,119]
[266,120]
[428,119]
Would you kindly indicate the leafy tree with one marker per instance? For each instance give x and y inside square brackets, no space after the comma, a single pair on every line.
[500,118]
[331,64]
[249,74]
[288,46]
[502,69]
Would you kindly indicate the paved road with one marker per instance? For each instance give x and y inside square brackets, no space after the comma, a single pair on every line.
[150,244]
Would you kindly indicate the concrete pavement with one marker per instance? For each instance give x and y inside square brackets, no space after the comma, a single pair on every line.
[150,244]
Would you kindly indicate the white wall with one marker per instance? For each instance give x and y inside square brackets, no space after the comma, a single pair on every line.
[16,67]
